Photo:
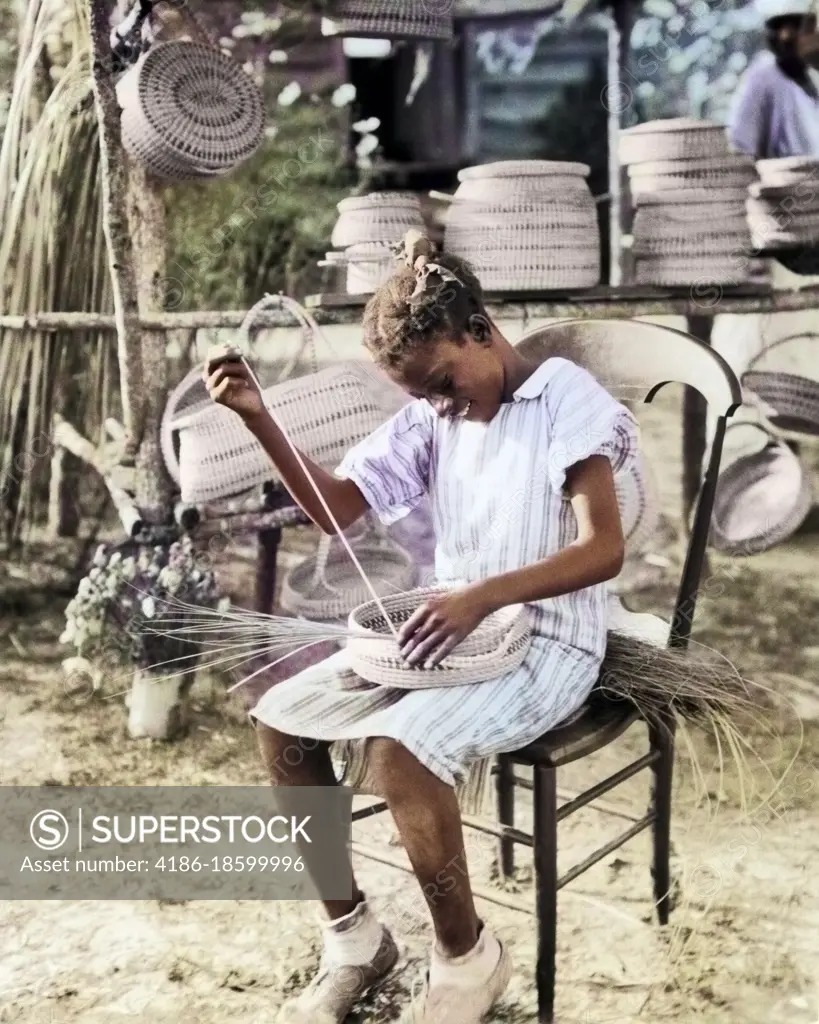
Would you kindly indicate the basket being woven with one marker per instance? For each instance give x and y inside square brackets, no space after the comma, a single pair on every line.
[189,111]
[390,19]
[497,646]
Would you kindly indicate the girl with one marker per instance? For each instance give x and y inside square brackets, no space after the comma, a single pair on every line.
[518,460]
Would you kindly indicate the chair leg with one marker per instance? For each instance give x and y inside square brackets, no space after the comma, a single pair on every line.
[661,737]
[545,850]
[505,789]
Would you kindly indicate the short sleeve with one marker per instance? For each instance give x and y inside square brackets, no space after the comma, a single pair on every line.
[749,122]
[586,420]
[391,466]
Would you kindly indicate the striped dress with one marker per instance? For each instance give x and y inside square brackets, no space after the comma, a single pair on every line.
[496,494]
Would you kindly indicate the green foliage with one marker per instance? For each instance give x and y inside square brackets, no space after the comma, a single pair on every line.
[264,227]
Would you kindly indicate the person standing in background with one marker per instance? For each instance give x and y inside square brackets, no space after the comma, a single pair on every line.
[776,113]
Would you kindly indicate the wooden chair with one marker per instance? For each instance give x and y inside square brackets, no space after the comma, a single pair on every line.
[633,360]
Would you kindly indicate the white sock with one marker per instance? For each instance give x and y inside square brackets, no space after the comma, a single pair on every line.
[353,939]
[468,970]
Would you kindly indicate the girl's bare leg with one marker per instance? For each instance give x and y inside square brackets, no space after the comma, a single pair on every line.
[426,813]
[300,762]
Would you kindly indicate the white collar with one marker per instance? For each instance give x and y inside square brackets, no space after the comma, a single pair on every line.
[535,385]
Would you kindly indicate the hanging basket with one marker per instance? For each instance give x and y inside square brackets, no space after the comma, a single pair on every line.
[390,19]
[761,500]
[791,401]
[327,585]
[189,112]
[212,455]
[496,647]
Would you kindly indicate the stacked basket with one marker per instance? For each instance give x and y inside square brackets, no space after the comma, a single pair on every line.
[366,227]
[689,193]
[783,206]
[390,19]
[526,225]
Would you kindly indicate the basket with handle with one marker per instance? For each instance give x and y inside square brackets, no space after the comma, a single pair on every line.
[189,111]
[762,498]
[790,401]
[212,455]
[327,585]
[498,645]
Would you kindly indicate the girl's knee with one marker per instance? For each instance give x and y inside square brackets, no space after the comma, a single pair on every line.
[393,766]
[282,752]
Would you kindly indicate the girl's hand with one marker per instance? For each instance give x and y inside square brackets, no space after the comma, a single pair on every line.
[229,383]
[436,628]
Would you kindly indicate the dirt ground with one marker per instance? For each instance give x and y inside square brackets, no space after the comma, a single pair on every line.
[744,939]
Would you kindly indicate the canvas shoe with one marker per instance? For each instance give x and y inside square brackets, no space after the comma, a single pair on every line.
[443,1004]
[336,988]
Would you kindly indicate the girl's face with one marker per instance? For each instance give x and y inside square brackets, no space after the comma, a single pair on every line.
[464,380]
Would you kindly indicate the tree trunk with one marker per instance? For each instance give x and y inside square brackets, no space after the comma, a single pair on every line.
[115,220]
[148,226]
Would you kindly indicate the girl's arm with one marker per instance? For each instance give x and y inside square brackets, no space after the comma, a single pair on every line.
[230,384]
[439,625]
[594,557]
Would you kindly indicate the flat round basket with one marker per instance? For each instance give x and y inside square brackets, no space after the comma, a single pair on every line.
[762,499]
[791,401]
[524,169]
[496,647]
[327,585]
[189,111]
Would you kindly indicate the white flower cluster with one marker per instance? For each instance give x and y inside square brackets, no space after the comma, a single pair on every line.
[121,595]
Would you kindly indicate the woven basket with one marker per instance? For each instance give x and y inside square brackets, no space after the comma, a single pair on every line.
[676,138]
[327,585]
[689,271]
[381,217]
[189,112]
[324,413]
[789,171]
[390,19]
[496,647]
[761,500]
[526,225]
[732,173]
[790,401]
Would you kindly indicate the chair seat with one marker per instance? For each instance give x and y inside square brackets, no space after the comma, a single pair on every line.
[596,724]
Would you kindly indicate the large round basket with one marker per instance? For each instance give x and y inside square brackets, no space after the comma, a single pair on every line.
[731,172]
[327,585]
[791,402]
[212,455]
[496,647]
[390,19]
[762,498]
[526,225]
[189,111]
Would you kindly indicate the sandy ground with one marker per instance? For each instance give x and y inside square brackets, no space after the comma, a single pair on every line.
[744,938]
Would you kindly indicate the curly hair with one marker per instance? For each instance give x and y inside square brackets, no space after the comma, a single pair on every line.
[397,319]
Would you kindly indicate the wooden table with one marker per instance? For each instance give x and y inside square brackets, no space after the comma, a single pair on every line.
[699,306]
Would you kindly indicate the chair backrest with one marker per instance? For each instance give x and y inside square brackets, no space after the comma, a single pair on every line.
[633,360]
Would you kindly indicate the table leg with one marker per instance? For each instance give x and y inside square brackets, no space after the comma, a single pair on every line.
[266,569]
[694,426]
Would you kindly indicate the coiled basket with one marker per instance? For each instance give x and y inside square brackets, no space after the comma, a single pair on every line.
[391,19]
[496,647]
[189,111]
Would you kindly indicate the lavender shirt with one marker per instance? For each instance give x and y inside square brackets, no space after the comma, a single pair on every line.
[773,116]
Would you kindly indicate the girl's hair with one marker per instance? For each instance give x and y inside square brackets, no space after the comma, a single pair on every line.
[421,307]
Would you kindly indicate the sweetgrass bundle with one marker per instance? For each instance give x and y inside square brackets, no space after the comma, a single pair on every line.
[696,685]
